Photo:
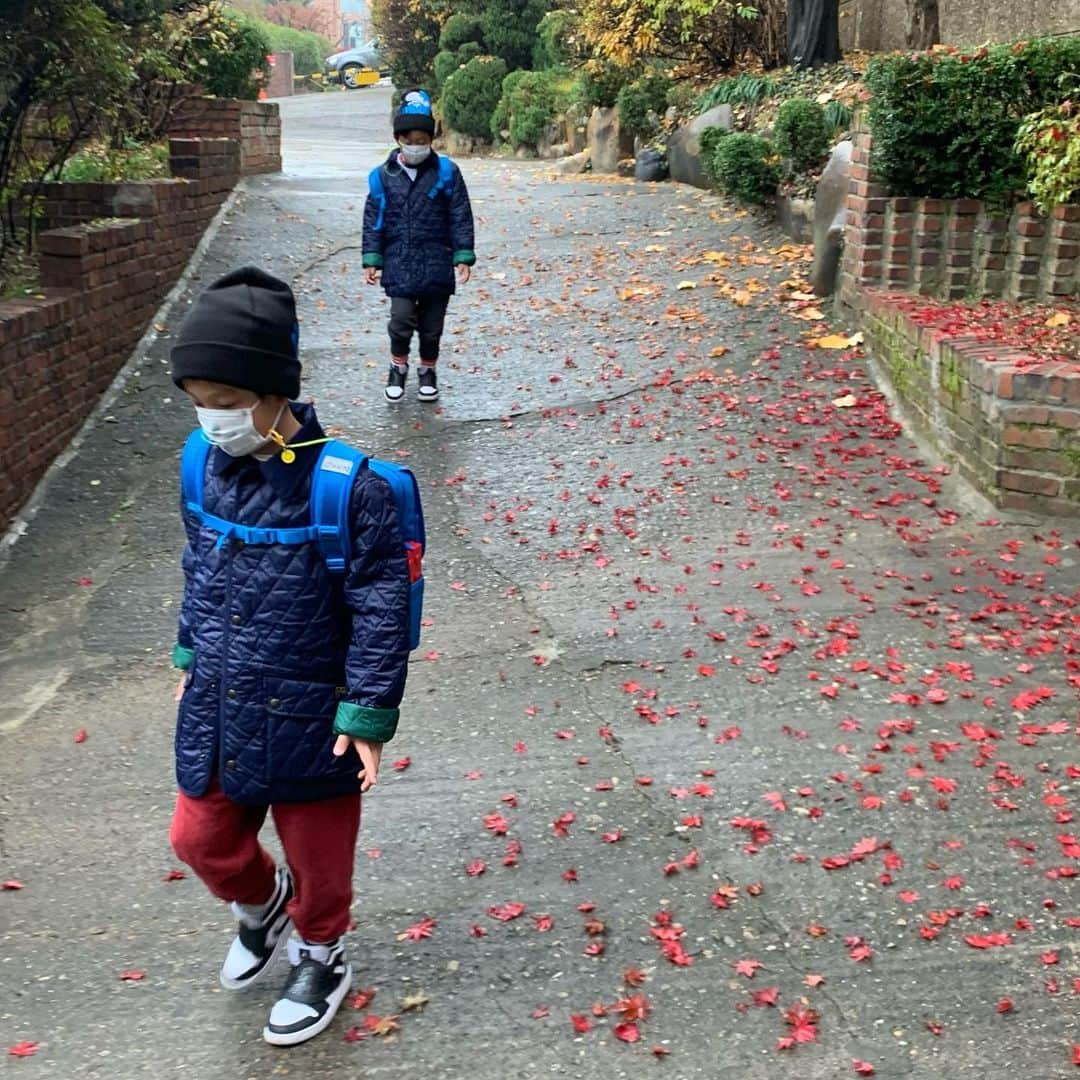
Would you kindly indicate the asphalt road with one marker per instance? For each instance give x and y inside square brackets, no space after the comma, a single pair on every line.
[735,664]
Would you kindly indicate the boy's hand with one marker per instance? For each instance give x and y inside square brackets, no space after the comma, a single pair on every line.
[464,272]
[370,754]
[371,275]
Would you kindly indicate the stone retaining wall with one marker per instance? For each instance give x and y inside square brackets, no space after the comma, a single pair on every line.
[1011,426]
[109,255]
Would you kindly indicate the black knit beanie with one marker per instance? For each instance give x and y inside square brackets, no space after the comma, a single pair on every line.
[414,113]
[242,331]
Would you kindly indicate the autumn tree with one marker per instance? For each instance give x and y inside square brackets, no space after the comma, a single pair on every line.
[408,33]
[813,32]
[923,24]
[707,34]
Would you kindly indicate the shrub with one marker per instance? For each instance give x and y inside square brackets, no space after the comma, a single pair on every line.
[459,29]
[101,162]
[802,133]
[1050,141]
[530,102]
[471,94]
[744,89]
[643,102]
[709,140]
[510,29]
[838,116]
[745,166]
[599,83]
[555,39]
[945,124]
[446,63]
[237,66]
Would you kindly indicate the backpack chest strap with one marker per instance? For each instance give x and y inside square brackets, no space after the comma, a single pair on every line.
[251,534]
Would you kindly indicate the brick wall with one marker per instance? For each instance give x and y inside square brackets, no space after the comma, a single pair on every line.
[109,255]
[254,125]
[953,248]
[281,75]
[1012,426]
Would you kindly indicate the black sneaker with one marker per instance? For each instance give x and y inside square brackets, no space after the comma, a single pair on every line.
[317,985]
[429,382]
[395,384]
[259,938]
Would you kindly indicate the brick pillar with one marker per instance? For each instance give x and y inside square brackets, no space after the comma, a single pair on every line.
[1061,268]
[1027,242]
[991,252]
[928,255]
[281,75]
[898,243]
[864,236]
[960,249]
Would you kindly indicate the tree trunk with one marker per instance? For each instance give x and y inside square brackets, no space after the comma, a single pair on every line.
[923,24]
[813,32]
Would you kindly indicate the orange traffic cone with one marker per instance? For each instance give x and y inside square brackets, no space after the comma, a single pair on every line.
[263,95]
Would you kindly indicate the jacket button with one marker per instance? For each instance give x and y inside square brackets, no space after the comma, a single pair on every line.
[230,764]
[275,703]
[236,620]
[230,694]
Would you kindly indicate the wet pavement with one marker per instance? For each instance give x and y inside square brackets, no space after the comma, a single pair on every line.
[757,711]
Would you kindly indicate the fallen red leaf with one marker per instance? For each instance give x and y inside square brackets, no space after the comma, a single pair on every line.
[23,1049]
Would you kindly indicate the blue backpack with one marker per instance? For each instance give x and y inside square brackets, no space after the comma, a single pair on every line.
[377,191]
[331,487]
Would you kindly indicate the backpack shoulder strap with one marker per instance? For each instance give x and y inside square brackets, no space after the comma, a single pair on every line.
[446,178]
[331,488]
[193,469]
[378,192]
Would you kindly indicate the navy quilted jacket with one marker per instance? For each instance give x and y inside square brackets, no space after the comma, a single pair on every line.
[275,646]
[421,239]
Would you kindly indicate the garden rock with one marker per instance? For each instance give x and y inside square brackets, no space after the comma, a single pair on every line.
[607,144]
[576,163]
[796,217]
[651,165]
[830,213]
[684,146]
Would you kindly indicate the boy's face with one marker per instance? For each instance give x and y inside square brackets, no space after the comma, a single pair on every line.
[214,395]
[415,138]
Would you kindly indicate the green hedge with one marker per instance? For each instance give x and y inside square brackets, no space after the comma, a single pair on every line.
[643,103]
[945,123]
[802,133]
[744,165]
[530,102]
[471,94]
[237,67]
[309,50]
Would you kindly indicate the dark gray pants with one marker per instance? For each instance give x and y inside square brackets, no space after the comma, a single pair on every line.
[423,316]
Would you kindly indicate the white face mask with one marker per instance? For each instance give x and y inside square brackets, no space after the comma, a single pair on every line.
[234,430]
[414,155]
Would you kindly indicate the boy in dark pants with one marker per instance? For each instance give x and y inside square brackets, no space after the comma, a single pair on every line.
[418,229]
[293,672]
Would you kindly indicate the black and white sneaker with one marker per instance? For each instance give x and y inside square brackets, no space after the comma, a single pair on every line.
[262,934]
[429,382]
[395,383]
[314,990]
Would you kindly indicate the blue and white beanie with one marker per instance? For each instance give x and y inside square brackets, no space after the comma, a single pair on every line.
[414,113]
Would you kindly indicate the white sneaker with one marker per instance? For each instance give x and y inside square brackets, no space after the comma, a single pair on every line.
[313,992]
[262,934]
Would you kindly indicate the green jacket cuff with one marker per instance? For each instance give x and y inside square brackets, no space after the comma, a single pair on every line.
[364,722]
[465,257]
[373,258]
[182,657]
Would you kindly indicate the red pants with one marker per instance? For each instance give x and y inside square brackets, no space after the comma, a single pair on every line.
[219,840]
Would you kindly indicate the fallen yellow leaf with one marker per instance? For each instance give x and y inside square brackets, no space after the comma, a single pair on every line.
[718,257]
[811,314]
[687,285]
[833,341]
[848,401]
[1059,318]
[743,297]
[719,350]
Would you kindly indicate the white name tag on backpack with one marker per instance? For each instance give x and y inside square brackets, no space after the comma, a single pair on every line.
[336,465]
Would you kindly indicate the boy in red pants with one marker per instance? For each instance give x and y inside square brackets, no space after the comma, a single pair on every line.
[293,673]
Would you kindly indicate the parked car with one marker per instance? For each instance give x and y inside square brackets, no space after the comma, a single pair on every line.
[354,67]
